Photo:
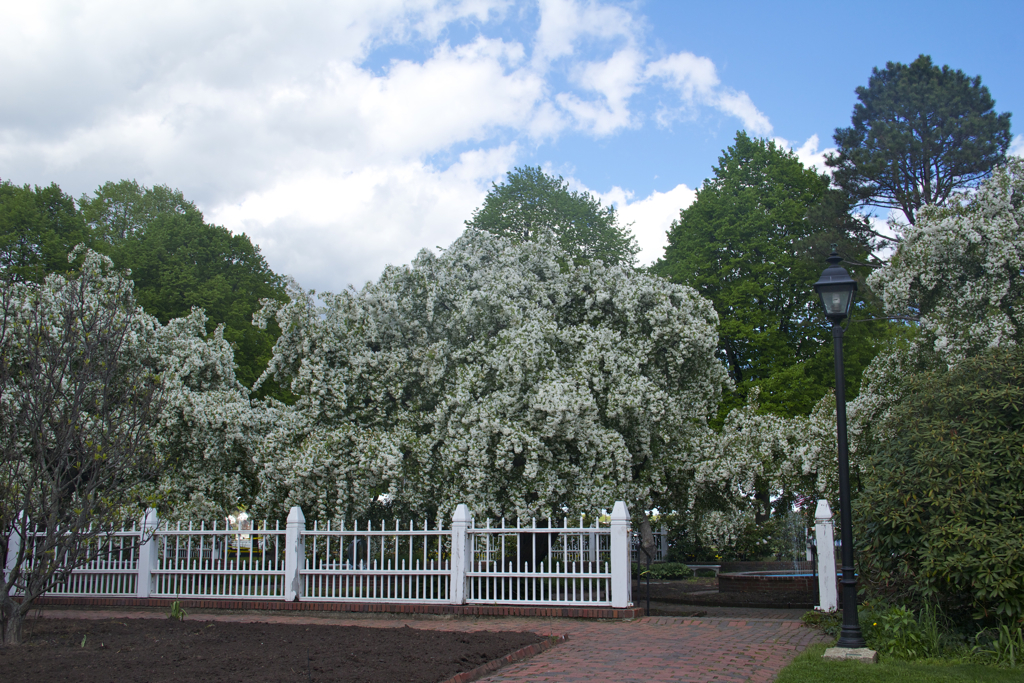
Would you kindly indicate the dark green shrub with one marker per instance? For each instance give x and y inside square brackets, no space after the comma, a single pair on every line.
[941,515]
[663,571]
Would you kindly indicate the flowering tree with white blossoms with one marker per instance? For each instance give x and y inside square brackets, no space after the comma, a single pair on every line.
[77,403]
[754,456]
[756,452]
[490,375]
[959,272]
[961,269]
[208,427]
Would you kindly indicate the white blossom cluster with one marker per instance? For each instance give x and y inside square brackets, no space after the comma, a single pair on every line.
[760,451]
[490,374]
[720,529]
[208,427]
[961,267]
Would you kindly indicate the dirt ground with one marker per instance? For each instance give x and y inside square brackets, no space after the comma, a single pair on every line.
[157,650]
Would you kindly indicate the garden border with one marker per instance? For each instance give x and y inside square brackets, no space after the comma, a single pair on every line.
[612,613]
[517,656]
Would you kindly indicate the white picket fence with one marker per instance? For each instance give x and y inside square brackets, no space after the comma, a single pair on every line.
[547,562]
[377,565]
[552,565]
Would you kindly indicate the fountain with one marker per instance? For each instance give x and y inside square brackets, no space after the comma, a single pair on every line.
[790,581]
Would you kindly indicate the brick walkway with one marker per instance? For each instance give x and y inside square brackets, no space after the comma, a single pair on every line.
[652,650]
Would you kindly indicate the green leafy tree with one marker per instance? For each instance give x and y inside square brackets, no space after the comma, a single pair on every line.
[747,244]
[178,261]
[919,133]
[121,210]
[38,228]
[531,203]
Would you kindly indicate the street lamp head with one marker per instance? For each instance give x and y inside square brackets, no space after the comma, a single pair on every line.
[836,288]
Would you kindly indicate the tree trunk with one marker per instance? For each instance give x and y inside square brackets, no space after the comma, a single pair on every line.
[647,543]
[763,506]
[12,622]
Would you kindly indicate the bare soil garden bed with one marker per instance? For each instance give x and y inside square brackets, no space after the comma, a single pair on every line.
[157,650]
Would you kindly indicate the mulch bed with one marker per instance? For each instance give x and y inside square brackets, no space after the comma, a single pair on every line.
[156,650]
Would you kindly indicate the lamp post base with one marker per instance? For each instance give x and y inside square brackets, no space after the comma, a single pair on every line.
[859,654]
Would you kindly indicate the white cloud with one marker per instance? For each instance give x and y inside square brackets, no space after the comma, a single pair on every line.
[651,217]
[339,137]
[616,80]
[331,230]
[458,95]
[808,153]
[564,22]
[1017,146]
[697,83]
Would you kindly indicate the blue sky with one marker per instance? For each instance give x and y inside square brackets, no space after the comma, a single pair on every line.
[344,136]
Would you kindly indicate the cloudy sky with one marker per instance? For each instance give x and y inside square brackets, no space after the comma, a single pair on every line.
[342,136]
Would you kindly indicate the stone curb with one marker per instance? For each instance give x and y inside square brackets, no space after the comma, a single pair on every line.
[495,664]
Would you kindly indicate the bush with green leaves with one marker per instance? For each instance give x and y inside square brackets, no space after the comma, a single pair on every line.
[663,571]
[942,509]
[896,630]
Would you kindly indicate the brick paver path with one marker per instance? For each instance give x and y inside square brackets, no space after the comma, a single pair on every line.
[652,650]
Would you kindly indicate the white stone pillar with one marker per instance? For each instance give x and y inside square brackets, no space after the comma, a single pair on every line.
[149,555]
[621,579]
[825,536]
[294,554]
[462,553]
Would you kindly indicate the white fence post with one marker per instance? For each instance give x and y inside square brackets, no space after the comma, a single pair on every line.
[824,535]
[148,554]
[461,553]
[621,579]
[294,554]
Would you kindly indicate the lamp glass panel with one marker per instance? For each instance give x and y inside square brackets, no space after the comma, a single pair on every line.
[836,300]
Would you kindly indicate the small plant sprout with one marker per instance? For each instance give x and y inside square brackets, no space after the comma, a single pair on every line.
[177,612]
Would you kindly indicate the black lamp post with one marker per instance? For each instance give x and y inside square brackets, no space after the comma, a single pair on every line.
[836,288]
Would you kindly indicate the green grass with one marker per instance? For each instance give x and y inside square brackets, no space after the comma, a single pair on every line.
[809,667]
